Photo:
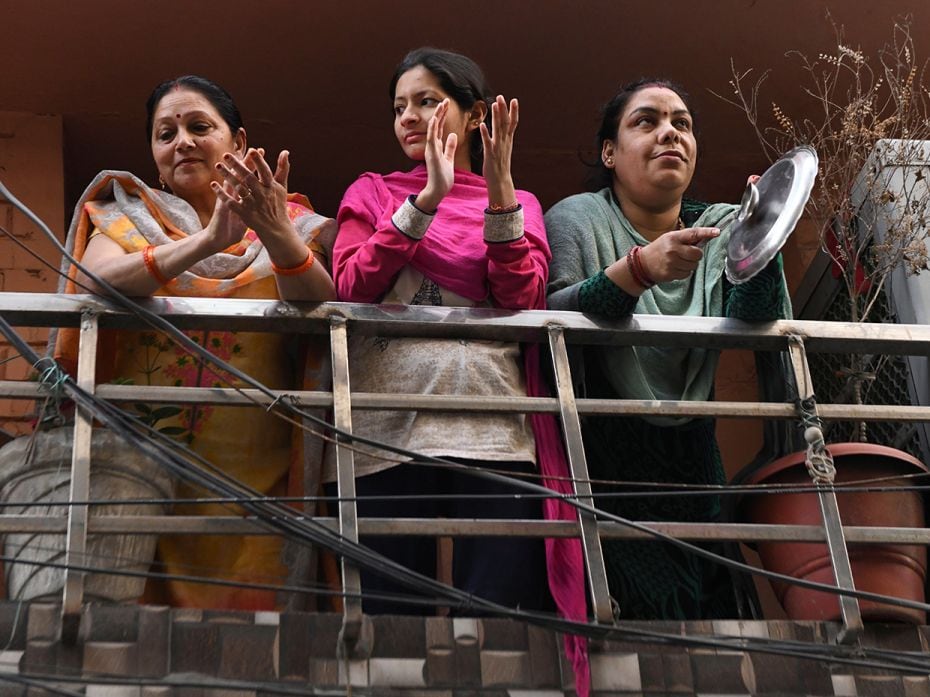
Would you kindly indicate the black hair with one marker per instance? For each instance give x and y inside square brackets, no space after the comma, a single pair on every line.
[221,100]
[460,77]
[611,113]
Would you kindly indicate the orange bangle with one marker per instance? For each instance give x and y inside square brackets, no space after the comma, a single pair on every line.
[295,270]
[148,258]
[497,208]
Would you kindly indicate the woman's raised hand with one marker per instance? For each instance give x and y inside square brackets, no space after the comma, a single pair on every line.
[225,227]
[440,160]
[498,149]
[676,254]
[253,193]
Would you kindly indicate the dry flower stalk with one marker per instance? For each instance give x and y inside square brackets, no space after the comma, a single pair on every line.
[853,101]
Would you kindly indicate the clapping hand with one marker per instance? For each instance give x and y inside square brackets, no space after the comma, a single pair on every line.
[498,149]
[440,160]
[225,227]
[253,193]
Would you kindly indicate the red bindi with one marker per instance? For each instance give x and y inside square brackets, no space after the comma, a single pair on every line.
[177,116]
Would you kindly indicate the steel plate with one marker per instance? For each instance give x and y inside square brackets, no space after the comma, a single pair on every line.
[770,209]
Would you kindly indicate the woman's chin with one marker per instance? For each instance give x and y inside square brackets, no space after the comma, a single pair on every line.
[414,151]
[191,188]
[673,184]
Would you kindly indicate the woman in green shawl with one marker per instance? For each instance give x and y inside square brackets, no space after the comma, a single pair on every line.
[636,246]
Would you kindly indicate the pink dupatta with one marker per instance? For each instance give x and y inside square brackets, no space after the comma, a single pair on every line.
[455,256]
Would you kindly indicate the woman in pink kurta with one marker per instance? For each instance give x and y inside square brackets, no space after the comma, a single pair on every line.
[441,234]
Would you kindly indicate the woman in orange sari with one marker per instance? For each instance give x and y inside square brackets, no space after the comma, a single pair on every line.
[223,226]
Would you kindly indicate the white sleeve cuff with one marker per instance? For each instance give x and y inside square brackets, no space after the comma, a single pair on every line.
[503,227]
[411,221]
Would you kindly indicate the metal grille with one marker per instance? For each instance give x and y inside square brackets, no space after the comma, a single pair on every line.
[890,385]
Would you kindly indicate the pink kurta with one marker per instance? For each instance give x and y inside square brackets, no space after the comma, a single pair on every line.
[370,252]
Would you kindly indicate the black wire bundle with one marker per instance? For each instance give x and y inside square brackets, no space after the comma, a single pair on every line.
[274,515]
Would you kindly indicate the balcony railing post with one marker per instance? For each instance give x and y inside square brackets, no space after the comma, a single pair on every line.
[833,526]
[345,478]
[571,427]
[76,539]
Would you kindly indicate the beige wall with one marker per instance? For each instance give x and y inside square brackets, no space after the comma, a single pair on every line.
[31,168]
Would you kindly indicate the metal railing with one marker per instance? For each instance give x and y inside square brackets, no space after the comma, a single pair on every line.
[549,328]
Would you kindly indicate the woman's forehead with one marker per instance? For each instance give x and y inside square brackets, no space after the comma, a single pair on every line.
[180,101]
[656,98]
[415,80]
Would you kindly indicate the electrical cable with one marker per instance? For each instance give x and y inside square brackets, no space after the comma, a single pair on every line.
[597,631]
[212,358]
[607,495]
[282,518]
[307,589]
[277,517]
[894,660]
[175,680]
[113,421]
[38,683]
[721,488]
[910,663]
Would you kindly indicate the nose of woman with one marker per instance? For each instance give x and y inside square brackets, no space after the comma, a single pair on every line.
[185,139]
[668,133]
[408,115]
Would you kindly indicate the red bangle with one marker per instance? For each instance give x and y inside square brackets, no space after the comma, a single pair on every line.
[641,273]
[148,258]
[642,267]
[637,270]
[295,270]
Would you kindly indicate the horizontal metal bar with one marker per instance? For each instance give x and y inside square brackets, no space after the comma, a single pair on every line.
[452,527]
[19,389]
[370,400]
[48,309]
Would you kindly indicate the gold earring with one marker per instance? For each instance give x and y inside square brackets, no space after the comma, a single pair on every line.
[609,162]
[161,181]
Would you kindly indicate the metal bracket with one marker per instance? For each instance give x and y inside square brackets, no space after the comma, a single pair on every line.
[833,526]
[578,465]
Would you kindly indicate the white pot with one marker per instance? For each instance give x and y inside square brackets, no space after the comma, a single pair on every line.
[118,472]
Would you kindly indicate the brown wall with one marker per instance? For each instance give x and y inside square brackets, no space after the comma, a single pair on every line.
[31,167]
[313,76]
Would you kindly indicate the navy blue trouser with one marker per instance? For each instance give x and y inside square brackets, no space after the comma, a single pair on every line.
[507,570]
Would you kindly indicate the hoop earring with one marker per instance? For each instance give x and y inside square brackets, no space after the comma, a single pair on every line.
[162,183]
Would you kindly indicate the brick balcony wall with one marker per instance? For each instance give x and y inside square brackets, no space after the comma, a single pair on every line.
[31,168]
[230,653]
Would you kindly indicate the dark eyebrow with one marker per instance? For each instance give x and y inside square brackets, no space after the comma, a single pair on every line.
[421,93]
[196,113]
[653,111]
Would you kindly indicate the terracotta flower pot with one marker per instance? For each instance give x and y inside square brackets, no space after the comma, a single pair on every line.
[889,569]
